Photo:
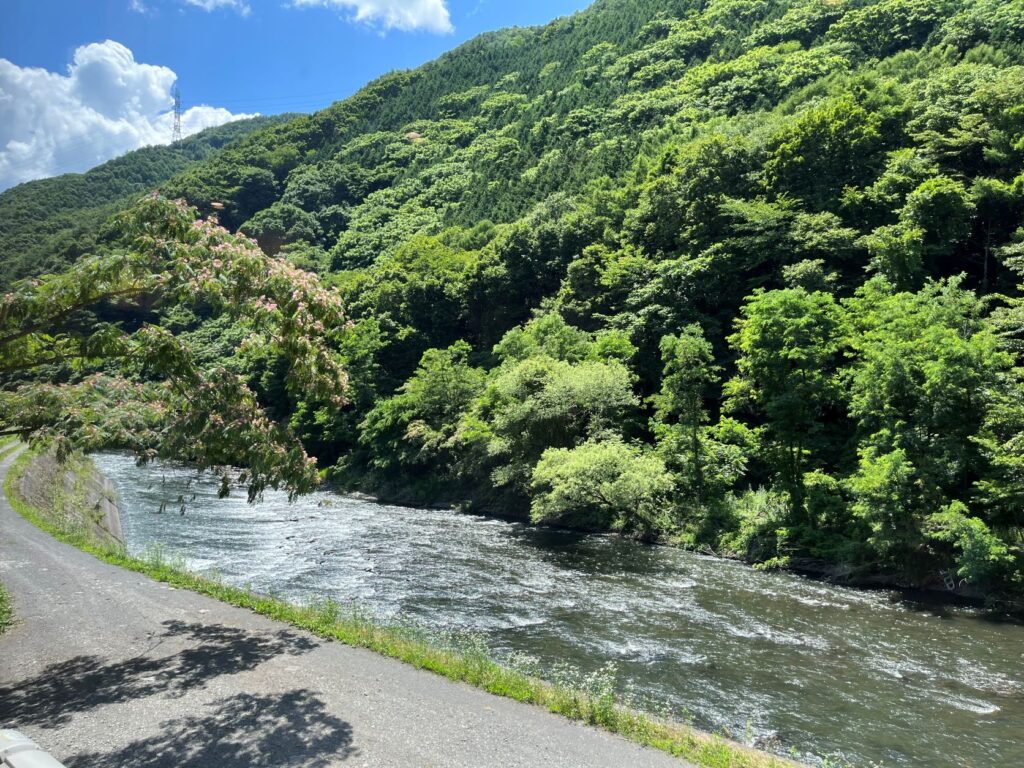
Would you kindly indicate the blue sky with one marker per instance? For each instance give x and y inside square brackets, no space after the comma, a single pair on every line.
[229,57]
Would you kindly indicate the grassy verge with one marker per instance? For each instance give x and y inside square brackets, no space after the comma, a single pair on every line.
[6,610]
[7,445]
[464,663]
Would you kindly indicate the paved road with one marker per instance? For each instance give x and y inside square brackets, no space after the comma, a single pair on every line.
[109,669]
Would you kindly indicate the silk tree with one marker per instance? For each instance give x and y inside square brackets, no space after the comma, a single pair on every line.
[76,380]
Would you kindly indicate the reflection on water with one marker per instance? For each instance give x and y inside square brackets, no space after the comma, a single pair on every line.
[773,657]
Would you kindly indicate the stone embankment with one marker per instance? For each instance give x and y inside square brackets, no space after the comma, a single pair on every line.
[74,495]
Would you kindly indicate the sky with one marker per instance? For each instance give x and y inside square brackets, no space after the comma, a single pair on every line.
[83,81]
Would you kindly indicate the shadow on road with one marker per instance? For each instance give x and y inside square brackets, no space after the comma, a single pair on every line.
[84,683]
[292,728]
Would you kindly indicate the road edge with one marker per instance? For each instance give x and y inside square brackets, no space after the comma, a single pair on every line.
[332,621]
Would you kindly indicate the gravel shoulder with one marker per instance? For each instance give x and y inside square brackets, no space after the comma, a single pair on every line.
[109,669]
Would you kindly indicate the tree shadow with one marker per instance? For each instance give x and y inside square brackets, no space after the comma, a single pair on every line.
[289,729]
[84,683]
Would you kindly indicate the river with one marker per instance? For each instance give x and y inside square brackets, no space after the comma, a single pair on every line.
[791,663]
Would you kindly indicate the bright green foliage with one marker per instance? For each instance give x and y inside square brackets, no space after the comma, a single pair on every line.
[942,209]
[1001,437]
[603,485]
[175,406]
[550,336]
[689,374]
[829,147]
[774,245]
[45,225]
[939,213]
[1002,443]
[897,253]
[924,370]
[759,532]
[884,488]
[6,610]
[415,428]
[880,29]
[980,554]
[788,343]
[539,403]
[678,207]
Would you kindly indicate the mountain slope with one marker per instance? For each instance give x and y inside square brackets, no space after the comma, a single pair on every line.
[477,100]
[737,274]
[44,224]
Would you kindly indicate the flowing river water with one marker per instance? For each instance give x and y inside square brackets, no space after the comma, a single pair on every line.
[867,677]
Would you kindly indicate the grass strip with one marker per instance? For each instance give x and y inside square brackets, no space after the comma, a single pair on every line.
[7,445]
[6,610]
[330,620]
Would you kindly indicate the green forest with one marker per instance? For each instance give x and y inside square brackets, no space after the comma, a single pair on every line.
[743,276]
[46,224]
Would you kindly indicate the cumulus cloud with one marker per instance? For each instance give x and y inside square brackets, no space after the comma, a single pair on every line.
[107,104]
[212,5]
[407,15]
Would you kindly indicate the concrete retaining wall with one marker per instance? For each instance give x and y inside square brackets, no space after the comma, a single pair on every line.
[72,495]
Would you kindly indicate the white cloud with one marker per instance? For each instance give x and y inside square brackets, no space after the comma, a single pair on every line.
[407,15]
[107,104]
[138,6]
[212,5]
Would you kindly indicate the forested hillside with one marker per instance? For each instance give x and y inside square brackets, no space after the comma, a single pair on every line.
[46,224]
[742,275]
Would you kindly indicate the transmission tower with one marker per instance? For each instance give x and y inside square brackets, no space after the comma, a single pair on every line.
[176,136]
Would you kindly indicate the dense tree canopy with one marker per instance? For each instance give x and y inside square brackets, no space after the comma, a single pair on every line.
[47,224]
[737,274]
[108,384]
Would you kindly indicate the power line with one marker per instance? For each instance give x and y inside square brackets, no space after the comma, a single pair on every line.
[284,103]
[333,95]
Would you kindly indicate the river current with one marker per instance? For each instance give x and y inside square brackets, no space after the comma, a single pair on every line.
[868,677]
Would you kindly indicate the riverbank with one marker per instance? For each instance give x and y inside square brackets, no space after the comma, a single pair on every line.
[462,661]
[7,446]
[72,495]
[935,590]
[6,610]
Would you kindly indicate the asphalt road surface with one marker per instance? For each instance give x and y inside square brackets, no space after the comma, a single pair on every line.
[109,669]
